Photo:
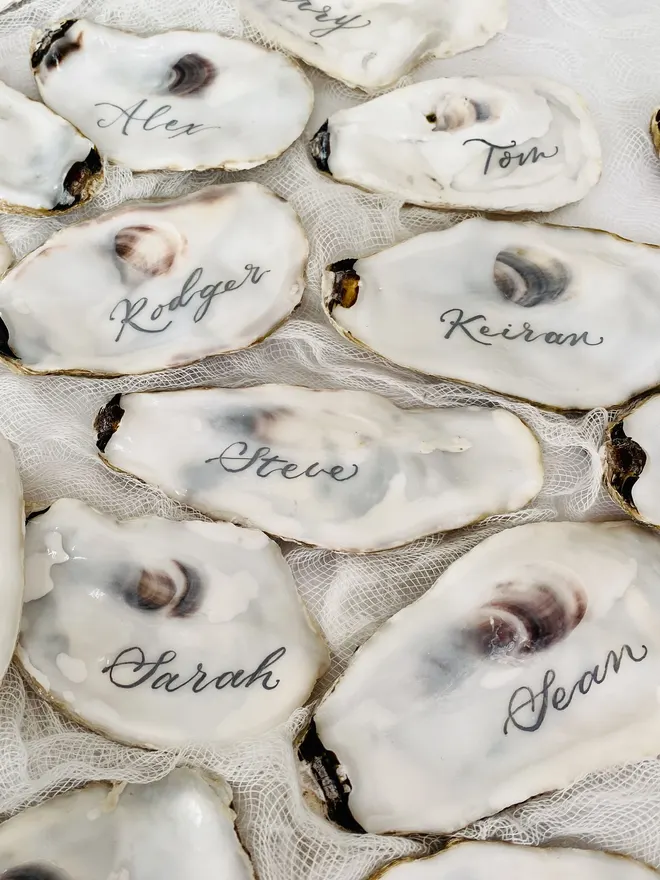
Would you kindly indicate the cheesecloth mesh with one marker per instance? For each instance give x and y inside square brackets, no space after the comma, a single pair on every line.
[605,49]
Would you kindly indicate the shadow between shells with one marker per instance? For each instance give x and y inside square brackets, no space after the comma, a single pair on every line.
[49,421]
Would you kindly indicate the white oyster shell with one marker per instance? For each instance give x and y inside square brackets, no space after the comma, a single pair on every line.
[45,164]
[346,470]
[181,826]
[164,633]
[151,285]
[179,100]
[483,860]
[12,530]
[532,661]
[498,144]
[370,43]
[630,457]
[567,318]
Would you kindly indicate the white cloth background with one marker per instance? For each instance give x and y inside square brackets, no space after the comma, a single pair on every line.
[608,51]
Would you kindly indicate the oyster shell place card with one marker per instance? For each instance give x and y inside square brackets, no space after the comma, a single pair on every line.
[180,826]
[544,313]
[12,530]
[180,100]
[161,633]
[370,44]
[46,166]
[502,144]
[531,662]
[151,285]
[483,860]
[346,470]
[630,460]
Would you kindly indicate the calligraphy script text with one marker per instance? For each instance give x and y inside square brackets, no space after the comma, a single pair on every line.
[236,458]
[205,295]
[473,331]
[338,23]
[533,707]
[150,122]
[136,670]
[534,155]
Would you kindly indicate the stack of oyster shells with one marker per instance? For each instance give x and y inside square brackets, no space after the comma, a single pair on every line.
[524,666]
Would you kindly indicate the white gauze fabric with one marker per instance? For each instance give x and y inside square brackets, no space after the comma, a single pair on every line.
[608,52]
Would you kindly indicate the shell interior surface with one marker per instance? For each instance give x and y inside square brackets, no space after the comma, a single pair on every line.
[483,860]
[631,454]
[532,661]
[538,312]
[497,144]
[156,284]
[45,164]
[180,100]
[180,826]
[163,633]
[12,530]
[370,43]
[345,470]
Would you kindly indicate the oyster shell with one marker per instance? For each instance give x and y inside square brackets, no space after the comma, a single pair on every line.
[46,166]
[163,633]
[180,100]
[12,530]
[482,860]
[498,144]
[545,313]
[151,285]
[630,454]
[532,661]
[346,470]
[181,826]
[353,41]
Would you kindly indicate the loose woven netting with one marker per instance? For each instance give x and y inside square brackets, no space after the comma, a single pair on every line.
[609,52]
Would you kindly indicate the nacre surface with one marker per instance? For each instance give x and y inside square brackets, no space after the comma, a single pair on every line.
[506,144]
[163,633]
[564,317]
[180,100]
[181,826]
[370,43]
[532,661]
[346,470]
[151,285]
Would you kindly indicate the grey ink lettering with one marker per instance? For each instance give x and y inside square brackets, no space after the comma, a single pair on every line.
[129,115]
[322,15]
[140,671]
[533,706]
[533,155]
[473,330]
[127,312]
[236,458]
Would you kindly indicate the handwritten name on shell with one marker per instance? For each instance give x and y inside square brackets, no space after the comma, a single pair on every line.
[533,155]
[473,331]
[262,460]
[205,296]
[528,710]
[336,23]
[131,669]
[150,122]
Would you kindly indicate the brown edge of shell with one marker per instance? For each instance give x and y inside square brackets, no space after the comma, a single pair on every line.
[655,129]
[340,288]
